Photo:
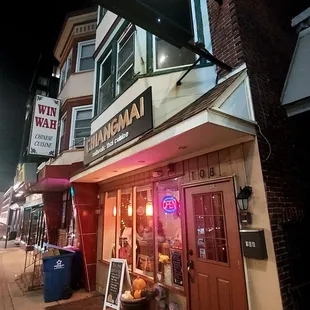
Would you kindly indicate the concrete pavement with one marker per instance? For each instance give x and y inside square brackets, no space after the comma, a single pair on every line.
[11,297]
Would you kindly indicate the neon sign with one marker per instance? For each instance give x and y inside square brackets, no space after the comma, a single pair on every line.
[169,204]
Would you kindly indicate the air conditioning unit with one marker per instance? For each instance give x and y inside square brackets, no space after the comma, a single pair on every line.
[79,143]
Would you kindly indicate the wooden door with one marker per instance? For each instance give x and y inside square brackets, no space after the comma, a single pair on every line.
[216,275]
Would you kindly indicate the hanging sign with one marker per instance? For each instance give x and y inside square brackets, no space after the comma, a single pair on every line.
[117,271]
[43,135]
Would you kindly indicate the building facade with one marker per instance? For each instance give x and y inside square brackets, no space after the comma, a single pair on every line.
[49,215]
[170,158]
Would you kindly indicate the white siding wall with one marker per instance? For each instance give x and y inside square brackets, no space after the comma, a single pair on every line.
[168,99]
[78,85]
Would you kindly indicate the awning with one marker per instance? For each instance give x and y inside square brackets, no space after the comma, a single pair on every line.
[53,178]
[221,118]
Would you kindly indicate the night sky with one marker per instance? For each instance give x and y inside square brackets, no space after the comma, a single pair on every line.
[27,28]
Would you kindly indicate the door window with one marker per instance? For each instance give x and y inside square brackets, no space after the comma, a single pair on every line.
[210,227]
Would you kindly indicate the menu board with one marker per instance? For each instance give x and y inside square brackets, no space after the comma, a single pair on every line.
[115,281]
[177,268]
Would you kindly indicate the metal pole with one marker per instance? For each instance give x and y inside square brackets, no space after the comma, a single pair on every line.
[7,237]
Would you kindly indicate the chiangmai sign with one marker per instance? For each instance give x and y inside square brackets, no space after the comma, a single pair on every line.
[131,122]
[43,135]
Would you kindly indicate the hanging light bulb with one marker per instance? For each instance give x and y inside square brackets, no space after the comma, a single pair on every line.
[149,209]
[130,209]
[149,204]
[114,211]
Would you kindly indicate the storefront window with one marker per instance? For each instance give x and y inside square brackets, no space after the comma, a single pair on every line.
[169,237]
[110,212]
[144,231]
[125,250]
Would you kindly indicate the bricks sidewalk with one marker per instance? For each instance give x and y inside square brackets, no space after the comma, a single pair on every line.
[5,298]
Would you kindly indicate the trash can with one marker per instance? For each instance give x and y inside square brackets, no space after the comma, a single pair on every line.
[135,304]
[57,276]
[77,270]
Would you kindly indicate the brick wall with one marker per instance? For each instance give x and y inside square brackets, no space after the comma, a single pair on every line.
[260,34]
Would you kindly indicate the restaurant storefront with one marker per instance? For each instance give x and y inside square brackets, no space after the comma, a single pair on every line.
[167,203]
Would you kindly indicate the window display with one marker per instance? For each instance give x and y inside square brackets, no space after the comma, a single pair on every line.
[125,250]
[109,226]
[169,236]
[144,231]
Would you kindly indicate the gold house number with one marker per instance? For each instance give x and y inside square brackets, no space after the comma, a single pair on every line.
[202,173]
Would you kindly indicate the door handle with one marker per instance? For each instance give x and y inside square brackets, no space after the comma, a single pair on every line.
[190,268]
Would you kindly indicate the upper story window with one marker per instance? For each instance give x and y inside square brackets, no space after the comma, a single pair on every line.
[80,125]
[65,71]
[122,57]
[125,60]
[62,131]
[101,12]
[85,60]
[168,56]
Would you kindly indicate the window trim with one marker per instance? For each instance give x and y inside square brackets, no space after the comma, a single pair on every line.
[73,120]
[65,68]
[79,52]
[60,129]
[133,34]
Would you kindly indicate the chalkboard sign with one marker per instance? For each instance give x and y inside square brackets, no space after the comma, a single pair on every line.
[117,270]
[177,268]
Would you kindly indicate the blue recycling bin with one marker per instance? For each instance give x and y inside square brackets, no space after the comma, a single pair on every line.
[57,276]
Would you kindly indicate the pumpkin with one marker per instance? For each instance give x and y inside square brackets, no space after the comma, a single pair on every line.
[138,284]
[137,294]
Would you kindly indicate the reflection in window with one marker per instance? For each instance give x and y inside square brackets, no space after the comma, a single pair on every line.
[169,56]
[125,227]
[144,231]
[109,226]
[169,237]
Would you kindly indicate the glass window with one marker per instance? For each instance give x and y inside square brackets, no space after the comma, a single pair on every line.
[85,59]
[81,126]
[125,60]
[168,235]
[130,222]
[109,224]
[125,250]
[101,12]
[144,231]
[169,56]
[116,70]
[68,65]
[62,131]
[65,71]
[106,86]
[25,225]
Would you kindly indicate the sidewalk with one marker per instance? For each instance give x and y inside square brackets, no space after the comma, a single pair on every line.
[11,297]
